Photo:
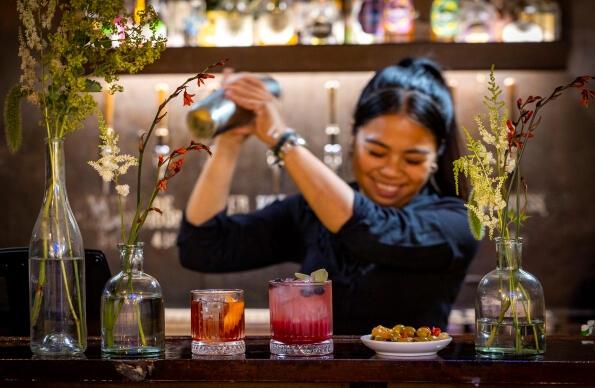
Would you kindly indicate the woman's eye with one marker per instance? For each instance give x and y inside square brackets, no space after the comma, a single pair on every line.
[376,154]
[414,161]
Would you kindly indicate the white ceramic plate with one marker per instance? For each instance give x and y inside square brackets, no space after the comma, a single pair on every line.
[405,349]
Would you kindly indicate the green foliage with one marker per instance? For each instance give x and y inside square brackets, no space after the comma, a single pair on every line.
[12,118]
[66,46]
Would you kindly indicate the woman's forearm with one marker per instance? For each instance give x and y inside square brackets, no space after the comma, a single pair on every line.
[211,190]
[329,196]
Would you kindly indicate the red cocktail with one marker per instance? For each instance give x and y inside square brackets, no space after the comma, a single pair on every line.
[301,317]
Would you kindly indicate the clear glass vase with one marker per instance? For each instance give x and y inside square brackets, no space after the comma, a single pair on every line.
[509,308]
[56,268]
[132,313]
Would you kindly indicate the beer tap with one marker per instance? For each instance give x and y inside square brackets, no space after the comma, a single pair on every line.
[161,131]
[333,153]
[108,115]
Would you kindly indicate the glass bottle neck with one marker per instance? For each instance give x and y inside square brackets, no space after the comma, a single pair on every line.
[55,178]
[131,257]
[509,254]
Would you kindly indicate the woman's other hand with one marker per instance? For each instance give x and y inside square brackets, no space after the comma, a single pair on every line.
[248,92]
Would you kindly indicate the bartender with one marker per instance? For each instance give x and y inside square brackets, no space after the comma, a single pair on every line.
[395,242]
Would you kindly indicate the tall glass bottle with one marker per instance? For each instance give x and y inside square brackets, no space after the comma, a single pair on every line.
[320,22]
[275,25]
[56,268]
[509,307]
[132,312]
[477,22]
[445,19]
[237,27]
[398,20]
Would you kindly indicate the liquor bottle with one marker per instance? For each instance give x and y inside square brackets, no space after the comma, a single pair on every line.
[320,20]
[333,153]
[369,16]
[444,18]
[275,25]
[398,20]
[546,14]
[183,20]
[522,31]
[477,22]
[237,28]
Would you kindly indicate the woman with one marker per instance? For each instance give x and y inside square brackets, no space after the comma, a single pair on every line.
[396,242]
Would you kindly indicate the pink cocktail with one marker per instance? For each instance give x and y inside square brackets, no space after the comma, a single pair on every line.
[301,317]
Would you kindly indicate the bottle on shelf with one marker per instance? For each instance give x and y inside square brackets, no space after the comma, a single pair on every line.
[478,18]
[369,29]
[546,14]
[444,18]
[322,24]
[183,19]
[237,27]
[398,20]
[522,30]
[275,25]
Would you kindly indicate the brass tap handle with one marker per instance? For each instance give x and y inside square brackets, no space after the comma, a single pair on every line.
[108,108]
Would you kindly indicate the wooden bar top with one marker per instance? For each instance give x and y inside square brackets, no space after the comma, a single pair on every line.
[568,360]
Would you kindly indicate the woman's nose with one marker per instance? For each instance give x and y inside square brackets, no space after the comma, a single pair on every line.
[392,168]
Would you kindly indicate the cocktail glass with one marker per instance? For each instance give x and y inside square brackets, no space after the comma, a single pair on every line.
[301,317]
[217,322]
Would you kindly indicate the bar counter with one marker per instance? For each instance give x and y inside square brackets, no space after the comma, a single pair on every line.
[568,360]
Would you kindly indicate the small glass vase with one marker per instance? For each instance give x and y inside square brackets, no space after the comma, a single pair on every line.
[509,308]
[132,313]
[56,268]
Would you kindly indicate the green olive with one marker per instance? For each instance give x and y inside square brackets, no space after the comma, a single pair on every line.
[395,337]
[408,331]
[381,333]
[423,332]
[397,329]
[405,339]
[443,335]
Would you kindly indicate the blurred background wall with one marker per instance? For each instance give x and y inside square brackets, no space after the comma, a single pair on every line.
[559,168]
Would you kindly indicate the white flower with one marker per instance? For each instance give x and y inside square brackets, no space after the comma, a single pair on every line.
[111,164]
[123,190]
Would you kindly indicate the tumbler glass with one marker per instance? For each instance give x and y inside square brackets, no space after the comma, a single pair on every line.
[301,317]
[217,322]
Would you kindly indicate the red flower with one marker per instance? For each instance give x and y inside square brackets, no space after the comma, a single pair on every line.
[161,160]
[174,168]
[162,184]
[198,147]
[202,77]
[179,151]
[188,98]
[581,81]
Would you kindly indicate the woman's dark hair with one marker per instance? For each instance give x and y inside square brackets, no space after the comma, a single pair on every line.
[415,86]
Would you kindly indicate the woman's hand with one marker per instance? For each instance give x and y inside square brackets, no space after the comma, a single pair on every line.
[248,92]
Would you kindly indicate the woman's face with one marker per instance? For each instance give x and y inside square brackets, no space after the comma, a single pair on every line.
[393,158]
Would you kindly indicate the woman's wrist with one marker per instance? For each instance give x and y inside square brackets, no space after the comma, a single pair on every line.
[285,143]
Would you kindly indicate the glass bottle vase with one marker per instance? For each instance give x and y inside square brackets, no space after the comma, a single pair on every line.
[132,312]
[509,308]
[56,268]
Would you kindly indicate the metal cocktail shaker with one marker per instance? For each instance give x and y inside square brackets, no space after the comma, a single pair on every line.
[216,114]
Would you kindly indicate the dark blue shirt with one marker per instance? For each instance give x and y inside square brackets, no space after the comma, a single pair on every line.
[388,265]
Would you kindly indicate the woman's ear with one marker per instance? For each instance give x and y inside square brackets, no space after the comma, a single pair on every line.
[433,167]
